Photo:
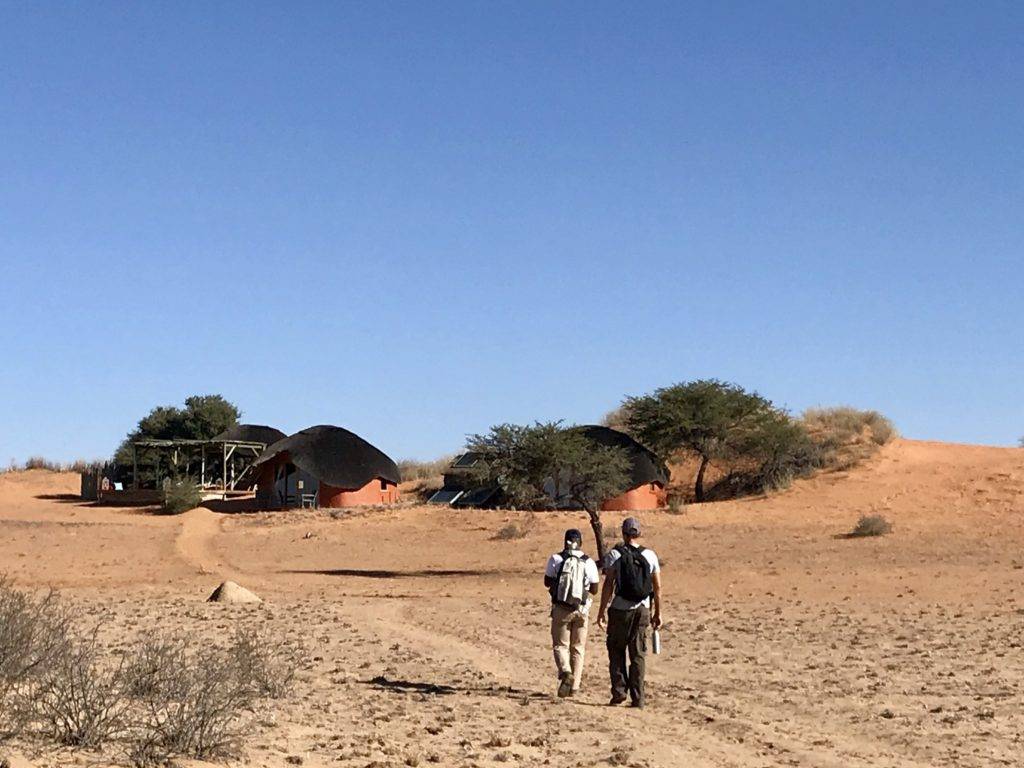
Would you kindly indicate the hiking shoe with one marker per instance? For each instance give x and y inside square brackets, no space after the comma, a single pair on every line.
[565,685]
[617,698]
[637,704]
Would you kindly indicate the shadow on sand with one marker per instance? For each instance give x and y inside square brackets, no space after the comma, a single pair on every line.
[369,573]
[233,506]
[433,689]
[74,498]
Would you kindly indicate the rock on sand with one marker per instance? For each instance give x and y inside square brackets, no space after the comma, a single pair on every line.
[229,592]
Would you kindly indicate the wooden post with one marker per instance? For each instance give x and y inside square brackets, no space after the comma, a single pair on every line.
[224,471]
[202,468]
[135,467]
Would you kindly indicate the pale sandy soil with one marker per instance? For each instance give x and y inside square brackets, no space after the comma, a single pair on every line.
[427,638]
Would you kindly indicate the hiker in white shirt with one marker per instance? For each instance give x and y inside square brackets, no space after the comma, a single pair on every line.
[633,575]
[571,578]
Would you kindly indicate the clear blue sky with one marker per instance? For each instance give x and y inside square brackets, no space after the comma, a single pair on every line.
[419,219]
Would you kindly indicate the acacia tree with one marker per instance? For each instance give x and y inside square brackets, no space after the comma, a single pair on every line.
[714,419]
[545,464]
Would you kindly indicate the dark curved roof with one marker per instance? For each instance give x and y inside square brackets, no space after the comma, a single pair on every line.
[252,433]
[334,456]
[647,467]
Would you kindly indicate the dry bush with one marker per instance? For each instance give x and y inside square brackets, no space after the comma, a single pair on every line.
[843,425]
[510,532]
[421,489]
[192,699]
[200,720]
[676,503]
[164,698]
[870,525]
[517,529]
[34,635]
[260,665]
[76,700]
[81,465]
[38,462]
[411,469]
[152,670]
[181,497]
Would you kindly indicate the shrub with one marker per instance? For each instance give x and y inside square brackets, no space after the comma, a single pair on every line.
[192,699]
[200,720]
[509,532]
[33,637]
[163,697]
[38,462]
[676,503]
[152,670]
[181,497]
[842,425]
[870,525]
[261,666]
[77,701]
[516,529]
[617,419]
[411,469]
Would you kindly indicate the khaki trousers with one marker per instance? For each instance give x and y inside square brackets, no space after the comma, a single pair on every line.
[569,640]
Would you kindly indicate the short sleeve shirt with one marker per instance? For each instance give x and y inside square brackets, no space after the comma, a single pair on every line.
[590,574]
[611,562]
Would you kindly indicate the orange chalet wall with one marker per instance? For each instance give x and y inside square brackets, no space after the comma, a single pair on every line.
[376,491]
[646,496]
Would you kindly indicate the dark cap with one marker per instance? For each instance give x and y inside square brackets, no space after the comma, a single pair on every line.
[573,534]
[631,526]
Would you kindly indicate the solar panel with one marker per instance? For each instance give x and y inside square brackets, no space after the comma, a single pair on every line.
[477,497]
[467,460]
[444,496]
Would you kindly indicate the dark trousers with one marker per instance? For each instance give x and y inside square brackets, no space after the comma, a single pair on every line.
[627,634]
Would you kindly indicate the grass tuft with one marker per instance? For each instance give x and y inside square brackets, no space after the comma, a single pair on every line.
[870,525]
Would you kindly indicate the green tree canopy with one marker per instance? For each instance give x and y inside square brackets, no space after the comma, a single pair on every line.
[537,465]
[203,417]
[711,418]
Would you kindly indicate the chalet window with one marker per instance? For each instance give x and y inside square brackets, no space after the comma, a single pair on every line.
[383,485]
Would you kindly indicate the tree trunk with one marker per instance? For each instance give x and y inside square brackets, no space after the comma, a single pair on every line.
[698,489]
[595,525]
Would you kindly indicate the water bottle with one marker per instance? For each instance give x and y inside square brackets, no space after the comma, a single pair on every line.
[656,642]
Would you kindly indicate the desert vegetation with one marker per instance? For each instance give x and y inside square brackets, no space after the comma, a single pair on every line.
[757,446]
[420,479]
[870,525]
[412,469]
[203,417]
[715,420]
[181,496]
[547,463]
[41,462]
[158,699]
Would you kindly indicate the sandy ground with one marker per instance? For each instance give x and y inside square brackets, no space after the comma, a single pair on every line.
[427,639]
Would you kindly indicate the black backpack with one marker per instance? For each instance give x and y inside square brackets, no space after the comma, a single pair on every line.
[634,583]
